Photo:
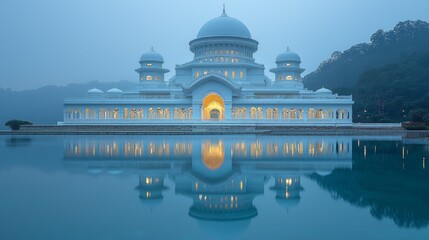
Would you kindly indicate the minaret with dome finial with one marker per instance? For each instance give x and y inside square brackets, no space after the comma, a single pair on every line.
[288,70]
[151,72]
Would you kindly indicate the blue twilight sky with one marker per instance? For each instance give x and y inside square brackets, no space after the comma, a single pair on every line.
[59,42]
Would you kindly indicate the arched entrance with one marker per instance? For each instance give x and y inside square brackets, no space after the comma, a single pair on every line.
[213,107]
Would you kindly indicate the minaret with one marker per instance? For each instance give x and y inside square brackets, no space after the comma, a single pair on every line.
[288,70]
[151,72]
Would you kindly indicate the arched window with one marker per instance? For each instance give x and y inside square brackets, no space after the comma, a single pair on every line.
[126,113]
[183,113]
[300,113]
[311,113]
[275,113]
[116,113]
[133,113]
[148,77]
[285,113]
[159,113]
[293,113]
[233,74]
[150,113]
[253,112]
[197,74]
[241,74]
[157,78]
[167,113]
[289,77]
[176,113]
[269,113]
[140,113]
[260,113]
[190,113]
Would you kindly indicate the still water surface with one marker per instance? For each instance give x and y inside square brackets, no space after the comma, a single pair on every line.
[213,187]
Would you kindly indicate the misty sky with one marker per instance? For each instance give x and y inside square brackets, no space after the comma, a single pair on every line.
[59,42]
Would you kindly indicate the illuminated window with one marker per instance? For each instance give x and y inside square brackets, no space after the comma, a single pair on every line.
[289,77]
[211,52]
[241,74]
[236,59]
[157,78]
[236,52]
[149,64]
[149,77]
[197,74]
[222,59]
[225,74]
[206,72]
[227,51]
[233,74]
[287,64]
[281,77]
[232,51]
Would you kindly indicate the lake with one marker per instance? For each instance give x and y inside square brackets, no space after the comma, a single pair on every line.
[214,187]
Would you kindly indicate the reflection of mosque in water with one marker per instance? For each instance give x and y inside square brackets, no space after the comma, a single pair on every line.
[222,175]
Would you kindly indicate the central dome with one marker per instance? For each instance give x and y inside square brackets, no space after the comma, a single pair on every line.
[224,26]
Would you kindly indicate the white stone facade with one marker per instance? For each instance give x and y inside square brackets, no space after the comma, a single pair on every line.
[222,85]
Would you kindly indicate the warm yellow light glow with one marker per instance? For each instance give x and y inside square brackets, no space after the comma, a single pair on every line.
[148,181]
[241,185]
[148,78]
[213,107]
[213,154]
[289,78]
[196,186]
[364,151]
[149,64]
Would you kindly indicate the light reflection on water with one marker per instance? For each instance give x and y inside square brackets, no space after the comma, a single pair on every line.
[224,176]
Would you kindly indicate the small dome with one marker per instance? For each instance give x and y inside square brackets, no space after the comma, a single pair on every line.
[288,56]
[95,91]
[224,26]
[114,91]
[324,90]
[151,56]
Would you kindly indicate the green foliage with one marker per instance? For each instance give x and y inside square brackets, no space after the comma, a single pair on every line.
[397,92]
[344,69]
[16,124]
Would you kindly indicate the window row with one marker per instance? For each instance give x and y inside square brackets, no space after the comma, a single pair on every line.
[288,113]
[223,52]
[130,113]
[228,74]
[150,78]
[288,77]
[220,59]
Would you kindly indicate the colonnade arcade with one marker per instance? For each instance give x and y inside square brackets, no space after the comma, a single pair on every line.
[213,110]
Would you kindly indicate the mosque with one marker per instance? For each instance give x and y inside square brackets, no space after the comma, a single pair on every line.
[222,85]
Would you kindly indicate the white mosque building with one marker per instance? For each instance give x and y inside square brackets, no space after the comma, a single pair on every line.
[222,85]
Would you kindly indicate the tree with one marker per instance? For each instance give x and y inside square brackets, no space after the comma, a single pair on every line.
[16,124]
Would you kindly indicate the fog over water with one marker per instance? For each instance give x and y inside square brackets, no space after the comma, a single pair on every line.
[59,42]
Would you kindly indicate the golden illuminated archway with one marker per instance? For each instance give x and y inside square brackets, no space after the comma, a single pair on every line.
[213,107]
[213,154]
